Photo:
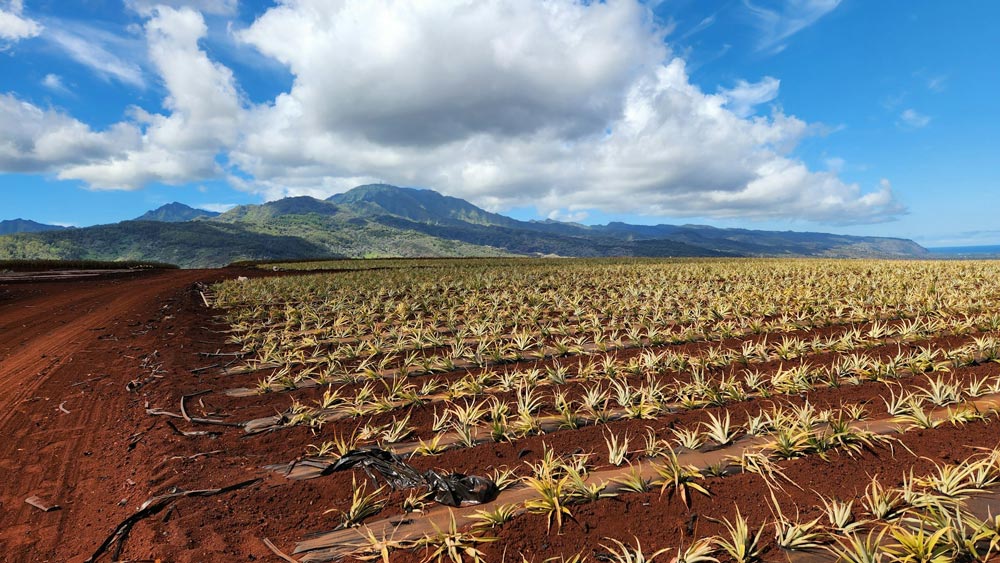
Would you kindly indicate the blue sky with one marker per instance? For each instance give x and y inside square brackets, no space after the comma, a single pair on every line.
[845,116]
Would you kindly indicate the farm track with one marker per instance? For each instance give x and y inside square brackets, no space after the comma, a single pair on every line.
[74,345]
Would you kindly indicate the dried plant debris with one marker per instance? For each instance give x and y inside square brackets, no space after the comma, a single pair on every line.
[116,541]
[42,505]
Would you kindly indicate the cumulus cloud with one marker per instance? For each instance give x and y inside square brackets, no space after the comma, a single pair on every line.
[204,105]
[392,92]
[13,25]
[560,105]
[39,140]
[418,73]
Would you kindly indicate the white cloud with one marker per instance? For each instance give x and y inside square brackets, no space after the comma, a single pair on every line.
[835,164]
[216,207]
[561,105]
[105,53]
[148,7]
[396,95]
[54,82]
[13,25]
[702,25]
[419,72]
[568,215]
[43,140]
[912,119]
[937,83]
[205,111]
[743,98]
[778,24]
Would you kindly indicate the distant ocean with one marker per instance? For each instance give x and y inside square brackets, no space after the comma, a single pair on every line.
[969,251]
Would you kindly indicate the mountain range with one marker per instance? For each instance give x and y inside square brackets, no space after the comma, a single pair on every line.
[381,220]
[13,226]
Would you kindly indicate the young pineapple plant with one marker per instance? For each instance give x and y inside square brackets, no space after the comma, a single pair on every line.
[452,544]
[739,542]
[617,448]
[720,429]
[840,515]
[620,552]
[678,478]
[362,506]
[551,500]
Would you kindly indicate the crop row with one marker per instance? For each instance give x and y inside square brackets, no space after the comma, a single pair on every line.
[497,357]
[556,483]
[501,312]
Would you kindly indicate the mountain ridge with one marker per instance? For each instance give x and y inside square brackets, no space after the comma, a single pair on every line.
[385,220]
[14,226]
[417,205]
[175,212]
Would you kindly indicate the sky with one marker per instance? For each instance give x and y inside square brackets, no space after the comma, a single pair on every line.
[847,116]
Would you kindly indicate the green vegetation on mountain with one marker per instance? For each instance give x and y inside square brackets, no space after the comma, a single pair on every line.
[175,213]
[191,244]
[425,206]
[530,242]
[386,221]
[12,226]
[344,232]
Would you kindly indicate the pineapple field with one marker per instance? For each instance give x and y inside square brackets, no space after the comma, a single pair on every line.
[624,410]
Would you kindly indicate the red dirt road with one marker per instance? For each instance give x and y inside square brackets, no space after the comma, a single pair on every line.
[73,345]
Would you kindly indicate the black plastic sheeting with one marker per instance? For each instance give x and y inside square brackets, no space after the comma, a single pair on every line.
[453,489]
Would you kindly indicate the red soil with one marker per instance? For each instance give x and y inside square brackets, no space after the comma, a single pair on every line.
[75,345]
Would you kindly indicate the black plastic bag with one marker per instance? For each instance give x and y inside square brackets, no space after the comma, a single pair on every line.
[454,489]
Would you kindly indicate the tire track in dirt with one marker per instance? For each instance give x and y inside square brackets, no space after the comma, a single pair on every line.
[52,343]
[45,350]
[25,319]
